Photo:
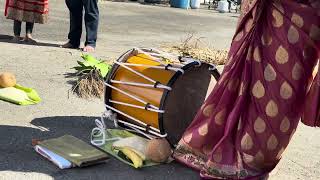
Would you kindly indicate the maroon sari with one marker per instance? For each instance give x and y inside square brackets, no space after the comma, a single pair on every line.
[248,120]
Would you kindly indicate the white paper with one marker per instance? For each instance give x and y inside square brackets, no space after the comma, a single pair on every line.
[59,161]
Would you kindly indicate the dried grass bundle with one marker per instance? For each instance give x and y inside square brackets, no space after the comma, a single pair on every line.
[89,85]
[197,49]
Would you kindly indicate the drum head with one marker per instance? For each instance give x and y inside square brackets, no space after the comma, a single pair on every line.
[181,104]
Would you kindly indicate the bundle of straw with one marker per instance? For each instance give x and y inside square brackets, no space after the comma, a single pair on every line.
[91,74]
[195,48]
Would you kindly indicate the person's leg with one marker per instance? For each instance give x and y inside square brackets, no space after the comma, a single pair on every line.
[91,21]
[29,30]
[16,30]
[76,13]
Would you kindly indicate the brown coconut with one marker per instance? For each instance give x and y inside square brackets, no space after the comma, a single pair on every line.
[158,150]
[7,80]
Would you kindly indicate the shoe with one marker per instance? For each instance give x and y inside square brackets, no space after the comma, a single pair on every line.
[68,45]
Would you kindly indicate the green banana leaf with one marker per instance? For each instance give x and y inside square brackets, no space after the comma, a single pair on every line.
[90,63]
[20,95]
[103,68]
[89,60]
[107,147]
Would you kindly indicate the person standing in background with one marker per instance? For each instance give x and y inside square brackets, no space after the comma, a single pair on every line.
[29,11]
[91,18]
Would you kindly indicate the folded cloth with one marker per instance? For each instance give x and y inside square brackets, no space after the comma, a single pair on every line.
[59,161]
[75,150]
[108,146]
[19,95]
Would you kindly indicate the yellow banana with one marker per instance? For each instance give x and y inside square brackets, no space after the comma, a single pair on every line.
[134,157]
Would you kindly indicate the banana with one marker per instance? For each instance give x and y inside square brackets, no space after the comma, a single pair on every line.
[135,143]
[134,157]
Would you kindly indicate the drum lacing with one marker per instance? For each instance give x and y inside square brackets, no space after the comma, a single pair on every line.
[153,130]
[103,134]
[148,128]
[172,68]
[143,76]
[156,84]
[133,97]
[147,106]
[167,66]
[188,60]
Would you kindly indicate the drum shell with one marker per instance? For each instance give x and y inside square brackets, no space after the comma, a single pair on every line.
[179,111]
[149,94]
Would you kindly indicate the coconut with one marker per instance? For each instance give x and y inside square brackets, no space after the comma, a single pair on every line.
[158,150]
[7,80]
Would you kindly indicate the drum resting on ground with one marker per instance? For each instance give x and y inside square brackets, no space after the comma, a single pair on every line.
[157,93]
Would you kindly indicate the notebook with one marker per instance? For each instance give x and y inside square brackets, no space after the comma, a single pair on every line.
[75,150]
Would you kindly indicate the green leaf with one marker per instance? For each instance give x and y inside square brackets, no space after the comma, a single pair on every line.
[103,68]
[90,60]
[78,68]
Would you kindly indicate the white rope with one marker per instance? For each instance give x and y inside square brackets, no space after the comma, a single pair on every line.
[188,60]
[133,129]
[212,67]
[135,72]
[157,53]
[141,75]
[138,129]
[159,86]
[134,119]
[153,58]
[156,67]
[132,96]
[100,132]
[136,106]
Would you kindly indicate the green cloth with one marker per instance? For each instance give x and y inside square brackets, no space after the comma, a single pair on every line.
[75,150]
[107,147]
[20,95]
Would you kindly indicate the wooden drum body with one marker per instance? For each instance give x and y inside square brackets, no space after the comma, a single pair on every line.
[160,98]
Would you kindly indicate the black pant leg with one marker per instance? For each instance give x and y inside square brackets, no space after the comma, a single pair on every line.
[91,21]
[29,27]
[17,28]
[76,14]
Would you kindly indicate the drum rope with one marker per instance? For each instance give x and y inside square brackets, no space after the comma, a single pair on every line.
[136,125]
[154,131]
[157,54]
[132,96]
[153,57]
[136,128]
[166,67]
[146,107]
[143,76]
[101,131]
[159,86]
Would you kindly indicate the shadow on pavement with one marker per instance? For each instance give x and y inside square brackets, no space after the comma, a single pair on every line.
[17,154]
[8,39]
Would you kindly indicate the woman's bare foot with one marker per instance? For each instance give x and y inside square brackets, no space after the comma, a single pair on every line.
[28,39]
[88,48]
[16,39]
